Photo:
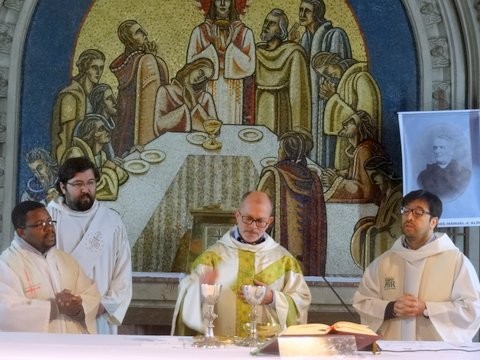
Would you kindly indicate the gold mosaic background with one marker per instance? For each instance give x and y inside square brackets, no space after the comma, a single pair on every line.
[170,22]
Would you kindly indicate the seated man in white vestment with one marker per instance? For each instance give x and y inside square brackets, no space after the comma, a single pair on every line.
[42,288]
[96,237]
[245,255]
[423,288]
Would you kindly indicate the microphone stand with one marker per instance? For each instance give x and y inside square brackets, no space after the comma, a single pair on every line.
[354,316]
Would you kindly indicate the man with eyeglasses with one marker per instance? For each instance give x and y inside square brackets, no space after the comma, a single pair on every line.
[96,236]
[246,255]
[423,288]
[43,289]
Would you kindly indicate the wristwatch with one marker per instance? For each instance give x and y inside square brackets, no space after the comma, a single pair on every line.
[425,313]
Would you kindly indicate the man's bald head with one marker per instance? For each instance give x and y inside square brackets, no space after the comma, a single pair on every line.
[254,215]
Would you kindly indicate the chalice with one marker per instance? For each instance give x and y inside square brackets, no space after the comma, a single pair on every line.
[253,295]
[212,126]
[210,295]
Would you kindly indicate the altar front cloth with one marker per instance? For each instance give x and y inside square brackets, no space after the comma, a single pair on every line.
[14,346]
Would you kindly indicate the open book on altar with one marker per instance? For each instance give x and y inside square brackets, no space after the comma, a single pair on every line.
[364,336]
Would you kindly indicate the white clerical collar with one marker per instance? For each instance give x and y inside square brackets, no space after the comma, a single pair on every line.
[26,246]
[236,235]
[406,246]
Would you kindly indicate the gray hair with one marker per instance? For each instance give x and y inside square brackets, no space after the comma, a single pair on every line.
[96,97]
[41,154]
[282,23]
[85,129]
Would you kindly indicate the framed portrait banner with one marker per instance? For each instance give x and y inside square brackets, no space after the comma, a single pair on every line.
[441,154]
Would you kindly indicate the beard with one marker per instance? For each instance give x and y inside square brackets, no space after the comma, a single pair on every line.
[83,203]
[46,181]
[264,36]
[345,133]
[442,160]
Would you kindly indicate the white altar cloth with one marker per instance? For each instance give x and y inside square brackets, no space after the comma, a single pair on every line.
[33,346]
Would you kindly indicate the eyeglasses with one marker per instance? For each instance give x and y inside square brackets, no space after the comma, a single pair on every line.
[417,212]
[259,222]
[43,224]
[80,184]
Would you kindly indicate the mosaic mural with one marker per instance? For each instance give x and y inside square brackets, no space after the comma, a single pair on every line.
[186,105]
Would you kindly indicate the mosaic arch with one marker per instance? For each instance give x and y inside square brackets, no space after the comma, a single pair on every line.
[192,179]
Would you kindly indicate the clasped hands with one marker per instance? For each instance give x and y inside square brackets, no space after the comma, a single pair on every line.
[408,306]
[68,304]
[217,38]
[210,277]
[327,90]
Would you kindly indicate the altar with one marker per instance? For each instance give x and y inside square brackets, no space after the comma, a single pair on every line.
[16,346]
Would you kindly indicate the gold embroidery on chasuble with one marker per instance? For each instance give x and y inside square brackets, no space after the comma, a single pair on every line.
[275,271]
[246,274]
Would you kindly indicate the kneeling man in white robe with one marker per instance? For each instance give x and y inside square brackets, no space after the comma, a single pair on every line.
[42,288]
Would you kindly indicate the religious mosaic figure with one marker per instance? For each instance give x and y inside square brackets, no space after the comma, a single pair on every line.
[319,36]
[373,235]
[348,87]
[104,104]
[91,135]
[229,44]
[283,81]
[72,103]
[140,72]
[300,219]
[352,184]
[41,186]
[184,104]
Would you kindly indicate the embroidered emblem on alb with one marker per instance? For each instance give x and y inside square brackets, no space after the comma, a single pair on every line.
[95,242]
[389,283]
